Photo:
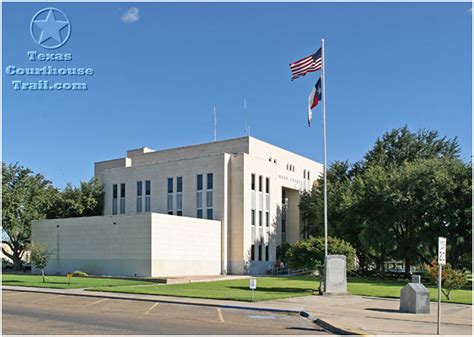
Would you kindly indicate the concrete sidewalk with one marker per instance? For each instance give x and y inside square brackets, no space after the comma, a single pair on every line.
[381,316]
[351,314]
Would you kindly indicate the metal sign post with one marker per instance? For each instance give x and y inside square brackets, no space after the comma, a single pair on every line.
[253,286]
[441,262]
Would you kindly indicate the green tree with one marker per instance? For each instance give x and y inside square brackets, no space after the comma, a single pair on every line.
[39,256]
[408,189]
[85,200]
[25,197]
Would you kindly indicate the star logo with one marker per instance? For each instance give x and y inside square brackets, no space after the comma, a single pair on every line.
[50,28]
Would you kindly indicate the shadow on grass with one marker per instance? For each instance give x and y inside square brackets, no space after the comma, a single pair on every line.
[277,289]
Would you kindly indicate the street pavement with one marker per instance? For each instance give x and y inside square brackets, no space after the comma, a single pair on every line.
[42,313]
[337,314]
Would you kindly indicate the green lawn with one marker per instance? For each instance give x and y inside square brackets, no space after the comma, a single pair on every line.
[391,288]
[61,282]
[269,288]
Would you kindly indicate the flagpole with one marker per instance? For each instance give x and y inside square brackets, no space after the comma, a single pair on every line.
[325,155]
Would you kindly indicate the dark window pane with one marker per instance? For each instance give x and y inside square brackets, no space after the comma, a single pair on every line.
[260,218]
[267,188]
[253,217]
[260,183]
[199,182]
[114,191]
[170,185]
[260,252]
[148,187]
[122,190]
[180,213]
[210,182]
[139,188]
[199,213]
[253,182]
[267,219]
[252,252]
[267,253]
[170,212]
[209,214]
[179,184]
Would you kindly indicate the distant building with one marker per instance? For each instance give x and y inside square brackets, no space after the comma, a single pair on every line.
[220,207]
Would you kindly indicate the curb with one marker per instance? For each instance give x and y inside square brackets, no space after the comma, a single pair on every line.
[335,330]
[160,300]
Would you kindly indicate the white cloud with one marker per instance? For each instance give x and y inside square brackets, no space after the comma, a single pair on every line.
[131,15]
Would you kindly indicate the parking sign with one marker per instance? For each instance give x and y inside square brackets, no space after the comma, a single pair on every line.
[441,251]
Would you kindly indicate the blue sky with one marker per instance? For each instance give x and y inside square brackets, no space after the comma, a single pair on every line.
[160,70]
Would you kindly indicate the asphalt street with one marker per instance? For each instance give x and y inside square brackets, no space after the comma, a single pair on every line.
[33,313]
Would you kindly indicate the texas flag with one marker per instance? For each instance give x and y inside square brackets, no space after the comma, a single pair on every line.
[314,99]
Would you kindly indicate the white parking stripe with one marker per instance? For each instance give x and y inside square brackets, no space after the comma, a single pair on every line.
[98,301]
[151,308]
[219,313]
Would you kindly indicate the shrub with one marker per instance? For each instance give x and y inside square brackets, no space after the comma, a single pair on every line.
[309,253]
[78,273]
[451,279]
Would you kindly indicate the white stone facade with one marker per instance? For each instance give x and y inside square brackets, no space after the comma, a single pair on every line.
[242,171]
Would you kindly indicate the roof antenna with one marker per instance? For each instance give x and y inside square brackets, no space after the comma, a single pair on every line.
[215,125]
[247,127]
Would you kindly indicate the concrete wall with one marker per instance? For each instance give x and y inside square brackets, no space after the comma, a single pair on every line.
[132,245]
[104,245]
[185,246]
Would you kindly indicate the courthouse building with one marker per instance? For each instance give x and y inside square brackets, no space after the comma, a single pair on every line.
[214,208]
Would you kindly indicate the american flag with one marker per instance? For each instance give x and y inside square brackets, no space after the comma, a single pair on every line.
[306,65]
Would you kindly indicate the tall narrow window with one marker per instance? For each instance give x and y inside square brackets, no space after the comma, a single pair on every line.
[260,220]
[260,183]
[252,217]
[267,253]
[308,175]
[147,196]
[210,196]
[267,185]
[199,206]
[170,196]
[210,214]
[179,184]
[304,174]
[267,219]
[210,181]
[260,252]
[122,198]
[179,195]
[252,182]
[252,252]
[139,196]
[114,198]
[199,182]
